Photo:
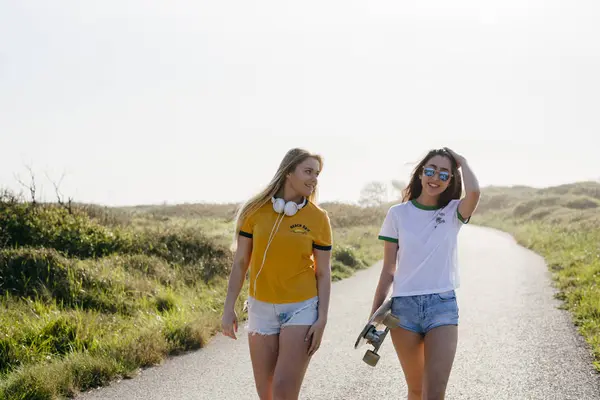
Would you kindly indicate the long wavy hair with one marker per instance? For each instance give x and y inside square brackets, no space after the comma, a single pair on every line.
[288,164]
[453,191]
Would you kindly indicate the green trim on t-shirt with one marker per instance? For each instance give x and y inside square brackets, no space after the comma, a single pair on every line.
[388,239]
[423,207]
[464,221]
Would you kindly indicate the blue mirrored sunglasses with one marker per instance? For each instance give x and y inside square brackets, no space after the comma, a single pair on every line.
[444,175]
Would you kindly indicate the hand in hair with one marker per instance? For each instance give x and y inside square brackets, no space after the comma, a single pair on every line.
[469,203]
[460,160]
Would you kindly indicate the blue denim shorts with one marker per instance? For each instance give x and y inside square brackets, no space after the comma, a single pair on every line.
[269,318]
[422,313]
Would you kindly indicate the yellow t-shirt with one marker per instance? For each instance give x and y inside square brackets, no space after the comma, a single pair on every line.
[288,274]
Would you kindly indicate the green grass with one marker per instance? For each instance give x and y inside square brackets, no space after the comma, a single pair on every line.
[93,294]
[109,317]
[563,225]
[356,248]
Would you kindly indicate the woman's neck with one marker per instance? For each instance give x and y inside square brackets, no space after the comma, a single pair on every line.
[289,194]
[426,200]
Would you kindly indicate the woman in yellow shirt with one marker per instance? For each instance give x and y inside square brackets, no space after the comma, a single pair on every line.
[285,239]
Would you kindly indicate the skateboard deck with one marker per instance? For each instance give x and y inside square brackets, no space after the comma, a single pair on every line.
[375,331]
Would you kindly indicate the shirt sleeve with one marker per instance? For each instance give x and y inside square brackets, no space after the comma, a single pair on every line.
[456,217]
[389,228]
[247,228]
[323,239]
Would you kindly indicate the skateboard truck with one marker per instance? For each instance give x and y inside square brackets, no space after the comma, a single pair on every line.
[375,332]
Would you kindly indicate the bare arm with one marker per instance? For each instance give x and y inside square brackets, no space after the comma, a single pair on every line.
[323,273]
[386,277]
[241,261]
[468,204]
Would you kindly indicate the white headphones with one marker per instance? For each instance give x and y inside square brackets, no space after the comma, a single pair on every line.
[290,208]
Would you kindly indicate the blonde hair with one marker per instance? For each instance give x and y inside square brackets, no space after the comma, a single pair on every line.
[289,163]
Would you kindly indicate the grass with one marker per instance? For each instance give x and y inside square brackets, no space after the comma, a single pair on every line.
[563,225]
[92,294]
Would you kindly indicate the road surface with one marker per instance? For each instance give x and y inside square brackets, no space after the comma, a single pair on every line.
[514,342]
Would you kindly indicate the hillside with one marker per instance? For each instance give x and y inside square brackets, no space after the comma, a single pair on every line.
[562,224]
[559,205]
[90,294]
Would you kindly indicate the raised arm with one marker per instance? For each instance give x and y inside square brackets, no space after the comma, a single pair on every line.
[468,204]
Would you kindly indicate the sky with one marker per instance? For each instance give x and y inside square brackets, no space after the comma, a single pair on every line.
[149,102]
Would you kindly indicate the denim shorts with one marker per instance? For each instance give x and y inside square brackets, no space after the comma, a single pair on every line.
[422,313]
[268,318]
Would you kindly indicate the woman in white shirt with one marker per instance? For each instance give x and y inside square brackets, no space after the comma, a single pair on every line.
[420,265]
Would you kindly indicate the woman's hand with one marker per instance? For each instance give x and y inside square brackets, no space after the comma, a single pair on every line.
[314,336]
[469,203]
[229,323]
[460,160]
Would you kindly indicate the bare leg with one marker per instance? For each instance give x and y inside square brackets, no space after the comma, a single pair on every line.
[263,353]
[440,348]
[409,347]
[292,362]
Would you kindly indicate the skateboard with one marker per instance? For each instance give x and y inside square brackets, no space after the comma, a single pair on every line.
[375,331]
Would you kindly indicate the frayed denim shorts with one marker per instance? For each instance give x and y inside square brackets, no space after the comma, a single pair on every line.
[268,318]
[422,313]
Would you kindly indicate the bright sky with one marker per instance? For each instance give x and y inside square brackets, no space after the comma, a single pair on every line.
[188,101]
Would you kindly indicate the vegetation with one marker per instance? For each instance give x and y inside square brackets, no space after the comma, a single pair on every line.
[90,294]
[562,224]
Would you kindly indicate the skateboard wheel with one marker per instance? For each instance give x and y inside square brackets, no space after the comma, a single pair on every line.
[371,358]
[391,321]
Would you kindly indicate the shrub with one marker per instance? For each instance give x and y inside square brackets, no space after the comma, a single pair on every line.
[31,272]
[347,256]
[73,233]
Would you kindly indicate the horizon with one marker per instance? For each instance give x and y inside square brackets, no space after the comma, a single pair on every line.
[143,103]
[390,199]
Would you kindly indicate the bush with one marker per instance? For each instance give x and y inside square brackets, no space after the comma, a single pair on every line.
[146,267]
[525,208]
[339,271]
[198,257]
[347,215]
[347,256]
[36,272]
[73,233]
[582,203]
[45,274]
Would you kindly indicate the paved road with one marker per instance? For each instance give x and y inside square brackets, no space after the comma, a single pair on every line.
[514,342]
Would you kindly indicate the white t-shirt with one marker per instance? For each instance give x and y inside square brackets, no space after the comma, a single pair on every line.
[427,256]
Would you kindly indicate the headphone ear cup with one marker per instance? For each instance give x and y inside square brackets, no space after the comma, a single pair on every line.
[290,208]
[279,205]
